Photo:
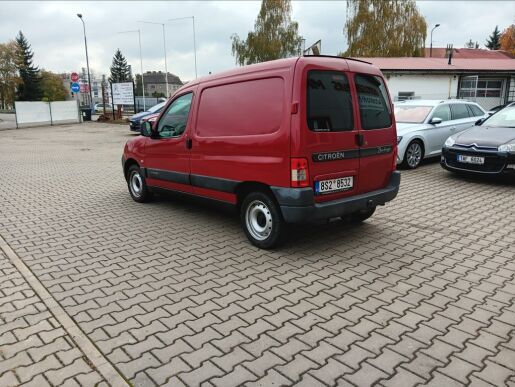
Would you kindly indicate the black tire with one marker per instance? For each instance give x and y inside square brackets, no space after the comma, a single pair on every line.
[262,220]
[414,155]
[137,185]
[362,215]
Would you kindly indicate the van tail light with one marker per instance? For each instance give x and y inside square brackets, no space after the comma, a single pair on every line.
[299,172]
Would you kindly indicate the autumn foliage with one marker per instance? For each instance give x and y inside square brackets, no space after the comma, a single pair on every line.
[507,39]
[388,28]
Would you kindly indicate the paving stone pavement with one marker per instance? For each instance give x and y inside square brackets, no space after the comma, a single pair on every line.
[35,350]
[172,293]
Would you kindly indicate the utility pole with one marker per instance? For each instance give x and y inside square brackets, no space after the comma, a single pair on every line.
[141,66]
[87,60]
[431,44]
[164,46]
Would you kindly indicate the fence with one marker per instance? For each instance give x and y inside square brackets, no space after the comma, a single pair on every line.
[44,113]
[149,102]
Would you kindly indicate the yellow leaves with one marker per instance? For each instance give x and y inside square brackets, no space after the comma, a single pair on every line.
[507,39]
[384,28]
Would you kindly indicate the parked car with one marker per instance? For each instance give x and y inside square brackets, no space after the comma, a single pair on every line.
[424,125]
[291,150]
[499,107]
[487,148]
[135,120]
[98,108]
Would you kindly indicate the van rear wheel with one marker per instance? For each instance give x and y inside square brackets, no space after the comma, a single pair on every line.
[261,219]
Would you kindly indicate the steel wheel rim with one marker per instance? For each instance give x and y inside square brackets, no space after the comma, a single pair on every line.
[414,154]
[258,219]
[136,184]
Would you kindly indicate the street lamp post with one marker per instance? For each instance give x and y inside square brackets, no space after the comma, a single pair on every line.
[141,65]
[87,59]
[194,40]
[431,44]
[164,46]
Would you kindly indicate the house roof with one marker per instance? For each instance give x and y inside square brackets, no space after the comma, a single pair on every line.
[469,53]
[440,64]
[158,77]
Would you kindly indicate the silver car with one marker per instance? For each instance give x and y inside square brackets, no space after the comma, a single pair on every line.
[424,125]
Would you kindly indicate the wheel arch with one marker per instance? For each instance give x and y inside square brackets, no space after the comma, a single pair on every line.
[128,163]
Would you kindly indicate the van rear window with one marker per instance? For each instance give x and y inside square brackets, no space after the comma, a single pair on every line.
[374,106]
[329,102]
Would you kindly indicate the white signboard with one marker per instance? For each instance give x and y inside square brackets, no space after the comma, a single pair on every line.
[123,93]
[64,111]
[32,112]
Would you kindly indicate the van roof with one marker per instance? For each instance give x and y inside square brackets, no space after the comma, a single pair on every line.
[349,64]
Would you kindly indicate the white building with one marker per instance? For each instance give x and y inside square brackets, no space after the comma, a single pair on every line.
[489,82]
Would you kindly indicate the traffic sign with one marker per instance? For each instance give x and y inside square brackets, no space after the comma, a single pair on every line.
[74,77]
[75,87]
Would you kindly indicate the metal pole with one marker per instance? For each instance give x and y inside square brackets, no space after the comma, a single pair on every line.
[194,46]
[87,60]
[431,43]
[166,66]
[142,80]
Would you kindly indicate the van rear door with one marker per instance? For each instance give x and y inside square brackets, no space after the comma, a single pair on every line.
[377,134]
[328,134]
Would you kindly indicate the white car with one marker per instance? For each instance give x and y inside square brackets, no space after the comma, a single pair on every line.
[424,125]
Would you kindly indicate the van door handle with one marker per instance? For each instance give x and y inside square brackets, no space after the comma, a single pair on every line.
[189,143]
[360,139]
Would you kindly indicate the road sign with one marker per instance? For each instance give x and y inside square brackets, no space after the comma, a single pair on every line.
[74,77]
[123,93]
[75,87]
[84,88]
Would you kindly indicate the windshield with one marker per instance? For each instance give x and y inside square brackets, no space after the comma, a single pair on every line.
[411,114]
[157,107]
[504,117]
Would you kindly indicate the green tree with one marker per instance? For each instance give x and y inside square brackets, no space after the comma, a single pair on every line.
[139,85]
[9,79]
[493,42]
[471,44]
[30,86]
[120,70]
[390,28]
[52,87]
[275,36]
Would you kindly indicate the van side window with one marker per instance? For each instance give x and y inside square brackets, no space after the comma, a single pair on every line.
[329,102]
[374,105]
[174,120]
[248,108]
[443,112]
[459,110]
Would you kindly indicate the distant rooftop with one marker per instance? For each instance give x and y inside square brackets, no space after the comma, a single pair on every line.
[440,64]
[157,77]
[469,53]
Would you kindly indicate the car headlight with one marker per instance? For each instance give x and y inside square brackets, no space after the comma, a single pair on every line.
[507,148]
[450,141]
[399,138]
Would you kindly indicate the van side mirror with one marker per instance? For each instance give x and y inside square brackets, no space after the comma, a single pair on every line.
[146,129]
[435,121]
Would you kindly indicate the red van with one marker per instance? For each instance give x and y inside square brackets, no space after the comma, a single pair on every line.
[286,141]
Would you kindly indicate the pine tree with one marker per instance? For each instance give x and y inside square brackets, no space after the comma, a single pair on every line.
[120,70]
[275,36]
[30,87]
[391,28]
[493,42]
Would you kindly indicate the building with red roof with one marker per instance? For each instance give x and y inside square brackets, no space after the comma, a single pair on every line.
[487,77]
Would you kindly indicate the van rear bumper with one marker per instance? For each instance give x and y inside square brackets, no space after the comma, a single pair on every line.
[298,205]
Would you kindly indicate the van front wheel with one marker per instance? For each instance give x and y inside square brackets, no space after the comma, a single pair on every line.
[137,185]
[261,219]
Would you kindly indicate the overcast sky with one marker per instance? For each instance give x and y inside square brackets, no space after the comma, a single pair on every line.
[56,35]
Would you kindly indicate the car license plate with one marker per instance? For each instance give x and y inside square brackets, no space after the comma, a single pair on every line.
[334,185]
[471,159]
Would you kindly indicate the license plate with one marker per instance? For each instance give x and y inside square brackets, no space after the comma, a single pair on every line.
[334,185]
[471,159]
